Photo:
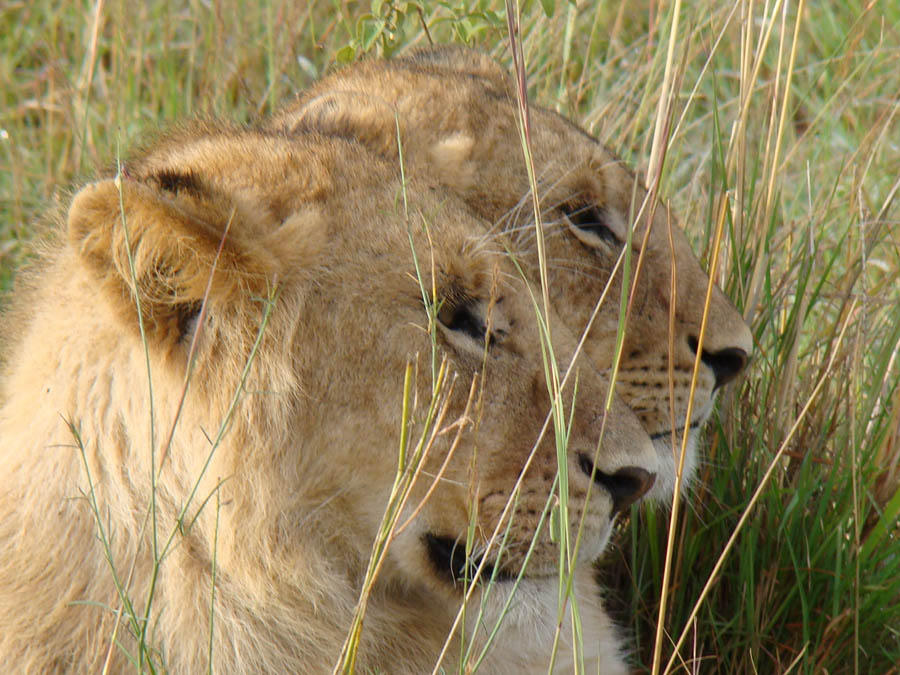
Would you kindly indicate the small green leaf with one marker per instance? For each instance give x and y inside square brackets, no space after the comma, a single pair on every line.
[549,7]
[345,54]
[371,32]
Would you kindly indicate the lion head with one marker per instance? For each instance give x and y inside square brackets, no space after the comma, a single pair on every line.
[202,411]
[455,113]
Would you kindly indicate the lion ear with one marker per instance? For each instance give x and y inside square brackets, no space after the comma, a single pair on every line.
[352,115]
[462,60]
[165,241]
[374,122]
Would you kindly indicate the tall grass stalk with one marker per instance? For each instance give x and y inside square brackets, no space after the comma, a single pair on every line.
[561,512]
[568,548]
[152,511]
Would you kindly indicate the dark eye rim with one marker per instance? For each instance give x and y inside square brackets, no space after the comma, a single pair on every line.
[593,219]
[176,182]
[460,317]
[188,316]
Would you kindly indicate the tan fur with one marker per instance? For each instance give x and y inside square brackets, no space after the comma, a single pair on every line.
[290,501]
[457,118]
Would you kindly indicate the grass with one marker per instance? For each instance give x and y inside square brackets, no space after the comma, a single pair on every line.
[781,129]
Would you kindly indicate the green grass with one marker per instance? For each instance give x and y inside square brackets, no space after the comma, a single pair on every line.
[795,144]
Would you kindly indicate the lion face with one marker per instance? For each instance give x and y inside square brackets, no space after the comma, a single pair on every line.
[457,120]
[356,268]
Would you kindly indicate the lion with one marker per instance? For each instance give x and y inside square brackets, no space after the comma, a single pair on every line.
[455,112]
[202,405]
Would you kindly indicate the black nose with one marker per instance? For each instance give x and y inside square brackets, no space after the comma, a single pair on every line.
[726,364]
[625,486]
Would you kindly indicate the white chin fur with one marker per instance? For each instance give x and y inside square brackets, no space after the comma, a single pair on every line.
[664,487]
[524,641]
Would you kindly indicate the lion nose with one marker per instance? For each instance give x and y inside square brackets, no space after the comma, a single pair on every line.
[726,364]
[625,486]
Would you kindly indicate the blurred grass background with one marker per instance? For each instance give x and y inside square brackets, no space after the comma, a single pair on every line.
[797,142]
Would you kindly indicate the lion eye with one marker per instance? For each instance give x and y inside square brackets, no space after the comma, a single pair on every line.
[460,318]
[591,220]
